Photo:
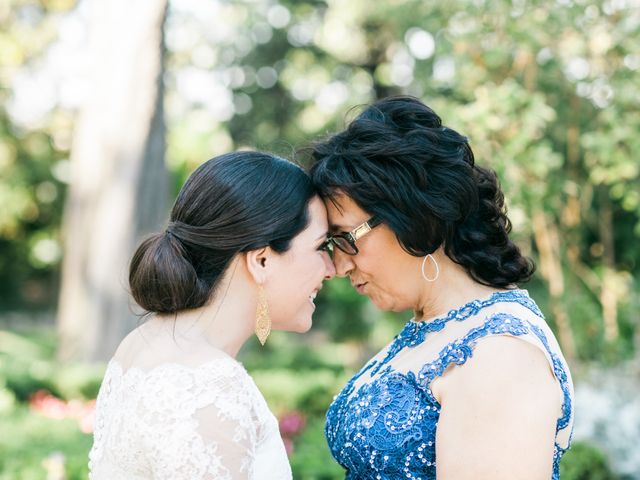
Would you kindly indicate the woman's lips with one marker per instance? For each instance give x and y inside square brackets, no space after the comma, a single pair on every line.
[360,288]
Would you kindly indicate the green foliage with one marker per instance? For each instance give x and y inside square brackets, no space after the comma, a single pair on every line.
[31,164]
[312,459]
[585,462]
[30,441]
[337,308]
[26,367]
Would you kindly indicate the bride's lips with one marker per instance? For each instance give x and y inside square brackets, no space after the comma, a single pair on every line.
[312,297]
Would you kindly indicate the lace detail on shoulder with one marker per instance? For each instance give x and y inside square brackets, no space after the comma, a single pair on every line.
[415,333]
[178,422]
[459,351]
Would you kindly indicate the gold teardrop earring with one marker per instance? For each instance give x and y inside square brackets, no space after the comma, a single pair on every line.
[263,320]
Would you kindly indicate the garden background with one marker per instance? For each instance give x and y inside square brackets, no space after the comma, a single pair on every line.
[107,106]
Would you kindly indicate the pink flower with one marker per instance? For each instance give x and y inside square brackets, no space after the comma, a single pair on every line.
[50,406]
[291,423]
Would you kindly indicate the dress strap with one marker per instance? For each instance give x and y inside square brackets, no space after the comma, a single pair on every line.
[459,351]
[415,333]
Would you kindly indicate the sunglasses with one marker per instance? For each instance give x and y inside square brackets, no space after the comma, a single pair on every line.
[346,242]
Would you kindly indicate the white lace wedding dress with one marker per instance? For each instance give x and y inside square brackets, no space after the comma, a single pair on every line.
[181,422]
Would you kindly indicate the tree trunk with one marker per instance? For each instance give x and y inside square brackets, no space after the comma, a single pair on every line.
[119,186]
[548,244]
[608,293]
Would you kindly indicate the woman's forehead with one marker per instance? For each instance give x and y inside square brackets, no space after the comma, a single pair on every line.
[343,212]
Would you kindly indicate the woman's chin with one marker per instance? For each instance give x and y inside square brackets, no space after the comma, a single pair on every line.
[386,305]
[299,325]
[380,303]
[304,325]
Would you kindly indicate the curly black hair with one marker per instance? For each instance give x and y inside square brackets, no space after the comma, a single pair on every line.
[396,160]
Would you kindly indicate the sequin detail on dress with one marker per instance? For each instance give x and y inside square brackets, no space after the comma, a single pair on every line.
[386,427]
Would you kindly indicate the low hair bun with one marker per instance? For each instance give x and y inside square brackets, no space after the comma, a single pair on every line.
[161,277]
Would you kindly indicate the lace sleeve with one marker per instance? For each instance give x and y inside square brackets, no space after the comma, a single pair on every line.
[201,423]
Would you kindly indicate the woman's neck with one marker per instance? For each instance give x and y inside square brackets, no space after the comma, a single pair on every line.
[453,288]
[225,323]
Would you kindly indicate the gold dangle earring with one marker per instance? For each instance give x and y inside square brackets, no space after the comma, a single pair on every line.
[263,320]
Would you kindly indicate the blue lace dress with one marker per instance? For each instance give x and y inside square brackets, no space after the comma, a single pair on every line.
[382,425]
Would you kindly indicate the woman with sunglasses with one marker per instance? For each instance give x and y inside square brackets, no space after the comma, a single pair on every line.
[475,385]
[244,253]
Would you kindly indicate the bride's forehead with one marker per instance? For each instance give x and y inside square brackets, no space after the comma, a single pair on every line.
[317,220]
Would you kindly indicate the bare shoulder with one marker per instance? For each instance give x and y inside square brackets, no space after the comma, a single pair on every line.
[500,408]
[133,342]
[147,347]
[505,364]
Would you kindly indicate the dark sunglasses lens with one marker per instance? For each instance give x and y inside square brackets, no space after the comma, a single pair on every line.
[344,245]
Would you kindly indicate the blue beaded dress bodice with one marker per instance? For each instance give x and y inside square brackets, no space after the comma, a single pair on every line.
[382,425]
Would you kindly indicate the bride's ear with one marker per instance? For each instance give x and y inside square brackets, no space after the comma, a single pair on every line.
[258,262]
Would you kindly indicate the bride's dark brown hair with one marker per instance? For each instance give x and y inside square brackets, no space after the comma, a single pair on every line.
[232,203]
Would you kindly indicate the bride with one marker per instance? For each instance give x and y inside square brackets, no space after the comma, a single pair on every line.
[244,252]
